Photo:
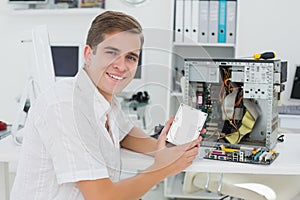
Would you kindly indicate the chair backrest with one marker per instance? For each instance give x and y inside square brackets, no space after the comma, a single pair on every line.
[42,71]
[41,76]
[234,185]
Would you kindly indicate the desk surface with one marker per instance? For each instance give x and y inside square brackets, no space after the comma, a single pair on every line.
[288,161]
[9,151]
[5,132]
[289,121]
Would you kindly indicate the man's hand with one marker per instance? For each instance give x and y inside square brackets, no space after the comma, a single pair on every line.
[176,158]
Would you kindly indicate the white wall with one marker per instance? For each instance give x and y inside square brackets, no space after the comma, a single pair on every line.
[263,25]
[14,27]
[271,25]
[155,17]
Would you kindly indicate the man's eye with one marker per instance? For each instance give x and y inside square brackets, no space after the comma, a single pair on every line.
[132,58]
[111,53]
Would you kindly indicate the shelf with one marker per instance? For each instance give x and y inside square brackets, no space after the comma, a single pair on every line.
[58,11]
[205,44]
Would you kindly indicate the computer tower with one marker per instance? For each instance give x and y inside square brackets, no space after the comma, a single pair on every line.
[240,97]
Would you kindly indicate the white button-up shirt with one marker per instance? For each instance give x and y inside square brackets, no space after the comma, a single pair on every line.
[66,141]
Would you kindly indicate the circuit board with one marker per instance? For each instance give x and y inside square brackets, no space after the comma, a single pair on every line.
[261,156]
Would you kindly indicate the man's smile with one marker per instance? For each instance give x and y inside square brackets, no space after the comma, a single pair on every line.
[115,76]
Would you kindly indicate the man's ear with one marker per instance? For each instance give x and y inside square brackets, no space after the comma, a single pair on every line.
[87,54]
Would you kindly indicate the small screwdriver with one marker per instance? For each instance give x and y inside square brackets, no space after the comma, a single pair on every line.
[265,55]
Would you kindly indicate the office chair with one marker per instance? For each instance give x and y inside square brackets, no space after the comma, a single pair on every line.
[40,77]
[244,186]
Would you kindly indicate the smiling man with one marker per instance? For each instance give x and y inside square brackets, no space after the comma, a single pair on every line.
[74,131]
[112,64]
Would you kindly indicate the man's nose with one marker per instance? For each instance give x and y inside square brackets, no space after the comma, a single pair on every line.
[120,63]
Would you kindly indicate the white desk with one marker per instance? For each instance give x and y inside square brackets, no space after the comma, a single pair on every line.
[5,133]
[288,161]
[289,121]
[9,152]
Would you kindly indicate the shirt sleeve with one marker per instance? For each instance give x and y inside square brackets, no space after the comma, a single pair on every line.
[124,124]
[72,161]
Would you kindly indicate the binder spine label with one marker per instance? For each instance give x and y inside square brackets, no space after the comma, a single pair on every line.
[222,22]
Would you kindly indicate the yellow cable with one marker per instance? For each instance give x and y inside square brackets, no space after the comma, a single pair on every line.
[248,122]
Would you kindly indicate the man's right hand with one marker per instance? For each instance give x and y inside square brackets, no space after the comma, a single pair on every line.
[173,160]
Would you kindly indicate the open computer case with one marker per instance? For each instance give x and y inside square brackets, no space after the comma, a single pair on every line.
[240,97]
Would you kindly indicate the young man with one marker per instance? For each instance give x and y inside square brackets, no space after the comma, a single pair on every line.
[74,131]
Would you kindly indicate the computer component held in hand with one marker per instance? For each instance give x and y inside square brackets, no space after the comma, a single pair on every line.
[187,125]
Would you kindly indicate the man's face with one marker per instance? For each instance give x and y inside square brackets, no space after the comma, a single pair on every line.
[112,65]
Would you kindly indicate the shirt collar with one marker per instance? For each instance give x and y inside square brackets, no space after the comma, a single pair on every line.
[89,90]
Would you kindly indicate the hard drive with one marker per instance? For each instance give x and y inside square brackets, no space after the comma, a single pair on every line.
[187,125]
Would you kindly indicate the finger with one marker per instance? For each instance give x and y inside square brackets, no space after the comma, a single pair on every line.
[190,155]
[167,127]
[203,130]
[200,139]
[191,159]
[192,152]
[163,135]
[194,143]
